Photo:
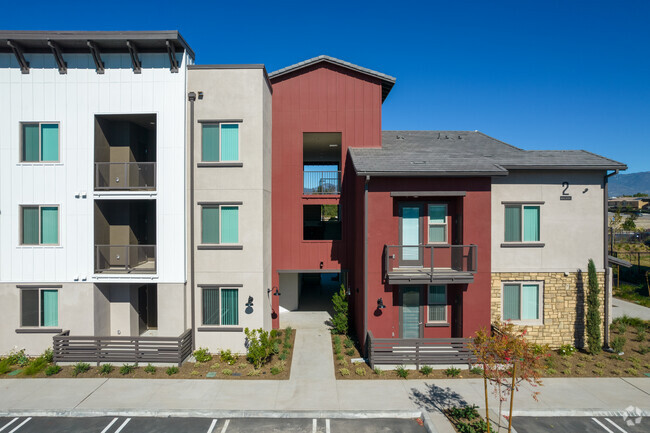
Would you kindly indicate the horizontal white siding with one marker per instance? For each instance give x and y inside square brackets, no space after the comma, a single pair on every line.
[73,100]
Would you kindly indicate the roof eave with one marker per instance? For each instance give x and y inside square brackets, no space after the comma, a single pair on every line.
[432,173]
[565,167]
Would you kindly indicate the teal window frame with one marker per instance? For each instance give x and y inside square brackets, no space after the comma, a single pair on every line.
[434,223]
[42,127]
[522,297]
[39,223]
[523,233]
[436,303]
[219,157]
[40,315]
[216,318]
[220,232]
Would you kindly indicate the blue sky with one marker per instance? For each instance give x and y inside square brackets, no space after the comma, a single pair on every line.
[539,75]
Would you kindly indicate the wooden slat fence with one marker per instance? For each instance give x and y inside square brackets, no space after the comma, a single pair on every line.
[418,351]
[111,349]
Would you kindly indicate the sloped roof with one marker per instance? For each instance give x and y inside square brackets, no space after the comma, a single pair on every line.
[464,153]
[387,81]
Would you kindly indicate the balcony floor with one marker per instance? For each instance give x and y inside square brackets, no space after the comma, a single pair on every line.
[147,267]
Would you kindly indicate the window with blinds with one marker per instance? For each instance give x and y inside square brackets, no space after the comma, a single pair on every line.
[220,142]
[219,224]
[220,306]
[522,302]
[40,225]
[40,142]
[437,304]
[522,223]
[39,307]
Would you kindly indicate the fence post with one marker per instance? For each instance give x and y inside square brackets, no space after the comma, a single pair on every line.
[417,355]
[98,350]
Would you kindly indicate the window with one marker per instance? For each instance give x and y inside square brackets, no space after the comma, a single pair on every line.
[522,223]
[39,307]
[522,301]
[321,222]
[40,142]
[437,223]
[220,142]
[220,306]
[40,225]
[437,302]
[219,224]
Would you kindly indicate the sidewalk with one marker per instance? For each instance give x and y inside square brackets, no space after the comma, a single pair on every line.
[622,308]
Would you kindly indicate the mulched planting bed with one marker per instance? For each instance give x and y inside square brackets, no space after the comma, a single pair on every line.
[238,368]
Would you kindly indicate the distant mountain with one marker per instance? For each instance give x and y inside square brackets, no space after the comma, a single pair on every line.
[628,184]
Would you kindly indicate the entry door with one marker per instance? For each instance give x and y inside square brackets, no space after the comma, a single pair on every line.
[410,234]
[411,319]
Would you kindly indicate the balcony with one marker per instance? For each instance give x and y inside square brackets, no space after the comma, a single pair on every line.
[321,182]
[430,264]
[125,259]
[127,176]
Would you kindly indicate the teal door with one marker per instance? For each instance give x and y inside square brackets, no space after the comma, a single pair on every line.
[411,320]
[410,235]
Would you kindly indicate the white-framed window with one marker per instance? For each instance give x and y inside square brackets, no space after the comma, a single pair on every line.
[39,307]
[220,142]
[437,304]
[220,306]
[522,223]
[522,302]
[39,142]
[219,224]
[39,225]
[438,228]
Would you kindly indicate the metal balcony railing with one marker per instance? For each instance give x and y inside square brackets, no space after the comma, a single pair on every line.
[125,175]
[125,259]
[321,182]
[430,258]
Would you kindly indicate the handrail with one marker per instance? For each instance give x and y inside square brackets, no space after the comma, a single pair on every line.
[459,258]
[125,258]
[326,182]
[128,175]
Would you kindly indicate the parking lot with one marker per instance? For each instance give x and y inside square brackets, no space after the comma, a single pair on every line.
[585,424]
[204,425]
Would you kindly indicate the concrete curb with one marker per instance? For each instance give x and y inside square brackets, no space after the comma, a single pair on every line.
[578,412]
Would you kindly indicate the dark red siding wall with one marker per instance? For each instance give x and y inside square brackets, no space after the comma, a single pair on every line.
[383,228]
[320,98]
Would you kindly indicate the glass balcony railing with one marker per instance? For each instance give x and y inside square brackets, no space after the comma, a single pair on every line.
[125,259]
[125,176]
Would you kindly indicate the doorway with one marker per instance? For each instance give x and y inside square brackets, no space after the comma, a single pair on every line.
[410,312]
[410,234]
[148,308]
[306,298]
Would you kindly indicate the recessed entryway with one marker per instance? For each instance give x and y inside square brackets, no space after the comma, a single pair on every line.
[306,298]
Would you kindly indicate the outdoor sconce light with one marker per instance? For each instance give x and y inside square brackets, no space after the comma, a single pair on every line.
[277,291]
[348,292]
[380,304]
[321,265]
[250,301]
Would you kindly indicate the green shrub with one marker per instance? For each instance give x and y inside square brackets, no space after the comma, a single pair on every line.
[18,357]
[567,372]
[476,370]
[48,355]
[337,350]
[150,369]
[619,327]
[202,354]
[640,336]
[340,321]
[253,372]
[600,364]
[550,363]
[348,343]
[276,347]
[593,311]
[632,371]
[401,371]
[580,364]
[378,371]
[227,357]
[52,370]
[36,366]
[344,371]
[551,371]
[287,345]
[360,371]
[598,371]
[467,412]
[260,347]
[616,357]
[274,334]
[452,372]
[644,350]
[275,370]
[80,367]
[126,369]
[426,370]
[566,350]
[349,352]
[617,372]
[171,370]
[631,321]
[540,349]
[618,343]
[340,357]
[226,372]
[105,369]
[5,366]
[282,356]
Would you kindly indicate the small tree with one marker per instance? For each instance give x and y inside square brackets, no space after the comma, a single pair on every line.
[340,320]
[508,360]
[593,311]
[629,223]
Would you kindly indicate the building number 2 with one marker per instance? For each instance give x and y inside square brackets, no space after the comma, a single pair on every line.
[566,186]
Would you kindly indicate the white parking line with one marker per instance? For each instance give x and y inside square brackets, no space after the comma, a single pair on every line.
[314,426]
[123,425]
[214,422]
[109,425]
[20,425]
[225,426]
[614,424]
[602,425]
[9,423]
[327,426]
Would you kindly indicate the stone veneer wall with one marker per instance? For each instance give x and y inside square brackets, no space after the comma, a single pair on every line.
[564,305]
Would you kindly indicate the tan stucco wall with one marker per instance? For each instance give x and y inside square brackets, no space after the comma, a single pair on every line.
[571,230]
[564,305]
[235,94]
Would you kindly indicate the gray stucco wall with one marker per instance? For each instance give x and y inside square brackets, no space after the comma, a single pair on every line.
[571,230]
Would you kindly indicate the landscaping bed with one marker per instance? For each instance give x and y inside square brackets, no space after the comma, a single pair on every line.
[218,366]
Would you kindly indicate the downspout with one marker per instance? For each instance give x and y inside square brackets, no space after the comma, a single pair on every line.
[606,261]
[365,258]
[192,97]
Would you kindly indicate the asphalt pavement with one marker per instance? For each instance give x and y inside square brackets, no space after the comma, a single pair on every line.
[581,424]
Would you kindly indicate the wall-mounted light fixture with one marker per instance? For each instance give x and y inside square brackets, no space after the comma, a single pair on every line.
[277,291]
[380,304]
[321,265]
[250,301]
[200,95]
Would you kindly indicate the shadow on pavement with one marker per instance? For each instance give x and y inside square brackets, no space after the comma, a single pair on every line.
[436,398]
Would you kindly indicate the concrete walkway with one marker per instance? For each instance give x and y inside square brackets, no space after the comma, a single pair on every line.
[622,308]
